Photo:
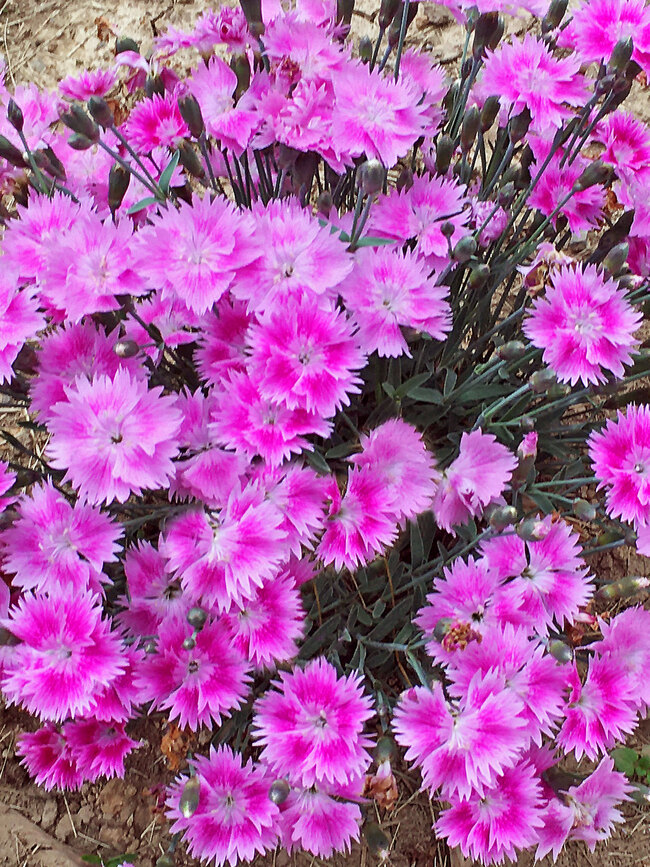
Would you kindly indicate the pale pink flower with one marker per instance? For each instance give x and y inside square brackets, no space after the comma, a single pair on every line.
[155,122]
[20,320]
[213,84]
[426,80]
[305,47]
[95,82]
[114,437]
[154,591]
[594,803]
[311,725]
[222,340]
[625,637]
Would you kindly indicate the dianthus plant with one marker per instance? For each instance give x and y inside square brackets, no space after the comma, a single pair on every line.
[320,345]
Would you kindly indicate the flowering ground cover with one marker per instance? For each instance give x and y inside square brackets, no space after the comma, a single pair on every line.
[328,361]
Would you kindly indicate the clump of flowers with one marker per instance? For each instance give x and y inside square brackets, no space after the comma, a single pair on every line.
[315,354]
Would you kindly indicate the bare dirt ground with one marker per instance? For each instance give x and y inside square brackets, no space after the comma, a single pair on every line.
[44,40]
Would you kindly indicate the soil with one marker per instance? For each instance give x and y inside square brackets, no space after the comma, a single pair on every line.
[44,40]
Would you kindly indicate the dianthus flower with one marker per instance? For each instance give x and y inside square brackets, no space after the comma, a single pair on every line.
[20,321]
[477,477]
[244,420]
[428,81]
[49,759]
[117,701]
[170,315]
[235,818]
[222,557]
[54,546]
[498,823]
[96,82]
[304,355]
[583,208]
[222,340]
[213,84]
[396,451]
[419,212]
[114,437]
[584,325]
[304,122]
[311,725]
[305,47]
[593,803]
[625,637]
[67,653]
[462,747]
[7,480]
[313,820]
[627,141]
[526,75]
[193,252]
[361,522]
[198,685]
[597,26]
[99,748]
[620,453]
[389,290]
[154,591]
[156,122]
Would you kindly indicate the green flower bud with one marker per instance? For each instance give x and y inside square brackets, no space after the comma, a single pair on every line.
[324,203]
[365,49]
[584,510]
[79,122]
[189,643]
[344,10]
[80,142]
[621,55]
[595,173]
[469,128]
[253,12]
[532,530]
[616,258]
[489,112]
[154,85]
[444,153]
[190,797]
[624,587]
[279,791]
[119,179]
[10,152]
[189,159]
[542,380]
[560,651]
[125,43]
[166,860]
[513,350]
[484,29]
[404,181]
[126,348]
[464,249]
[196,617]
[396,25]
[518,126]
[370,177]
[15,115]
[242,69]
[100,111]
[555,14]
[479,275]
[377,841]
[387,11]
[384,749]
[502,517]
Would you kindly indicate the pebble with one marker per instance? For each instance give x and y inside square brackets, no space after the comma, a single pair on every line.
[50,812]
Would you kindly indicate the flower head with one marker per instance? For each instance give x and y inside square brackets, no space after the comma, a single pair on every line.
[49,758]
[156,122]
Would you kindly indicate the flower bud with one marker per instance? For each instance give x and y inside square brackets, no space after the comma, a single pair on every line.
[451,96]
[154,85]
[10,152]
[532,530]
[279,791]
[119,179]
[616,258]
[512,350]
[624,587]
[150,646]
[486,25]
[497,33]
[189,643]
[190,161]
[242,69]
[502,517]
[253,13]
[324,203]
[542,380]
[100,111]
[489,112]
[464,249]
[527,423]
[377,841]
[365,49]
[447,229]
[384,749]
[640,793]
[387,11]
[479,275]
[370,177]
[518,126]
[560,651]
[584,510]
[15,115]
[404,181]
[469,128]
[605,84]
[166,860]
[396,26]
[52,163]
[595,173]
[555,14]
[444,153]
[80,142]
[621,55]
[190,797]
[196,617]
[126,348]
[79,122]
[125,43]
[344,10]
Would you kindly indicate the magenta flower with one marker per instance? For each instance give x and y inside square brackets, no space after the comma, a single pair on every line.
[461,748]
[526,75]
[20,321]
[200,685]
[374,115]
[477,477]
[114,436]
[304,122]
[117,702]
[620,453]
[235,818]
[625,637]
[389,290]
[627,141]
[222,558]
[303,355]
[316,822]
[7,480]
[498,823]
[311,725]
[396,451]
[99,748]
[55,546]
[96,82]
[361,522]
[156,122]
[222,340]
[213,84]
[585,326]
[49,759]
[584,208]
[154,591]
[598,25]
[304,47]
[67,653]
[193,252]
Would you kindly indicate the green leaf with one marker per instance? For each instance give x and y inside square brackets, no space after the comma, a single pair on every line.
[372,242]
[426,395]
[358,657]
[407,387]
[390,391]
[319,639]
[168,171]
[340,451]
[625,760]
[91,859]
[544,502]
[450,382]
[643,765]
[143,203]
[378,609]
[318,462]
[417,546]
[391,621]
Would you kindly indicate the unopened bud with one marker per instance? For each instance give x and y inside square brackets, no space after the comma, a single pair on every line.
[447,229]
[605,84]
[166,860]
[621,55]
[150,647]
[624,587]
[469,128]
[197,617]
[125,43]
[451,96]
[324,203]
[502,517]
[190,797]
[242,69]
[404,181]
[377,841]
[560,651]
[119,179]
[344,10]
[279,791]
[100,111]
[616,258]
[384,749]
[370,177]
[53,164]
[154,85]
[396,26]
[80,142]
[596,173]
[518,126]
[497,33]
[253,13]
[189,643]
[640,793]
[584,510]
[387,11]
[441,628]
[15,115]
[542,380]
[126,348]
[81,123]
[464,249]
[444,153]
[555,14]
[532,530]
[365,49]
[479,275]
[189,159]
[10,152]
[512,350]
[484,29]
[489,112]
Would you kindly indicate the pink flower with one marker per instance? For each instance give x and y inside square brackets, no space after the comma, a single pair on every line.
[193,252]
[96,82]
[213,84]
[117,701]
[198,685]
[526,75]
[626,638]
[584,325]
[222,340]
[600,711]
[49,758]
[304,356]
[419,212]
[55,546]
[235,818]
[498,823]
[170,315]
[67,653]
[7,480]
[316,822]
[374,115]
[361,522]
[594,803]
[311,725]
[304,122]
[584,207]
[428,81]
[475,479]
[19,321]
[114,437]
[244,420]
[461,748]
[388,290]
[154,591]
[396,451]
[156,122]
[303,46]
[99,748]
[620,453]
[598,25]
[222,558]
[626,140]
